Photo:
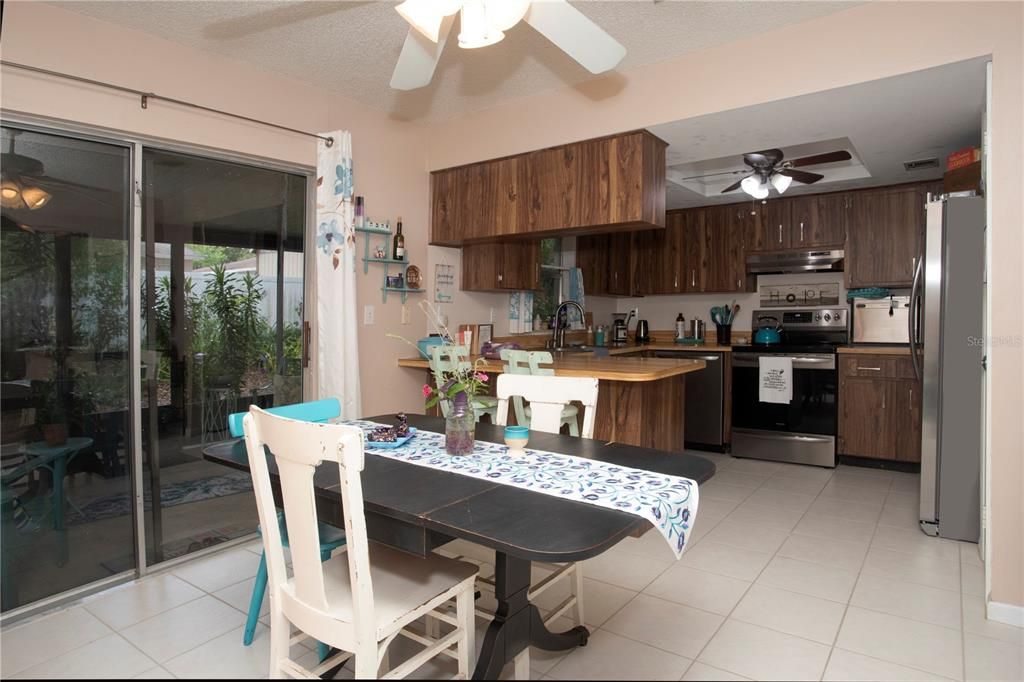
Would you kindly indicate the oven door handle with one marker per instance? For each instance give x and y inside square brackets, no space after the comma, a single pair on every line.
[782,435]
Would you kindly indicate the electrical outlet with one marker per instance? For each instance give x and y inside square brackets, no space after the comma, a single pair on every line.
[405,314]
[368,314]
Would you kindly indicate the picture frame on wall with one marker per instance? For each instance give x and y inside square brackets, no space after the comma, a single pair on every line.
[485,333]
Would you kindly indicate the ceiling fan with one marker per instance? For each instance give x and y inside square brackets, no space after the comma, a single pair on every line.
[483,22]
[767,169]
[24,183]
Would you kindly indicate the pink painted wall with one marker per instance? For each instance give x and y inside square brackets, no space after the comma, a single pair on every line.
[388,154]
[864,43]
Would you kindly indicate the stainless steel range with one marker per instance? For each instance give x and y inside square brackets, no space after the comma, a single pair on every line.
[802,430]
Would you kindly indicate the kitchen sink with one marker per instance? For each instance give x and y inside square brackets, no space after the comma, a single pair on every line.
[572,349]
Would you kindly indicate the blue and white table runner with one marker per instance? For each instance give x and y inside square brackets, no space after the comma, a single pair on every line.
[668,502]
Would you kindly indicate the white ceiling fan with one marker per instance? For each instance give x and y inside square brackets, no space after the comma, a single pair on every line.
[483,22]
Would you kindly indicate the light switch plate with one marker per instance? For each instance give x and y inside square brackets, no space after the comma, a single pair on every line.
[405,314]
[368,314]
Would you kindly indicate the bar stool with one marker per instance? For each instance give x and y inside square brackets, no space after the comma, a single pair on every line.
[529,362]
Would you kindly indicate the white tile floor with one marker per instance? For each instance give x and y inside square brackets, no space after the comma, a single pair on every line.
[792,573]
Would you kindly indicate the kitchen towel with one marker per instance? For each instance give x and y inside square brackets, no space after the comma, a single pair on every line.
[668,502]
[775,379]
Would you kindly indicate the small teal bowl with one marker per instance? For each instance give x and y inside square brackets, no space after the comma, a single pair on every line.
[517,432]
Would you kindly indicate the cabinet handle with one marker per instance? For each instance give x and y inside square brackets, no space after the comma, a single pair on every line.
[911,398]
[780,233]
[500,277]
[693,278]
[870,369]
[801,232]
[675,282]
[883,400]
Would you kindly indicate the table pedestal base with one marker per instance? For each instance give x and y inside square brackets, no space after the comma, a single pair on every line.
[517,623]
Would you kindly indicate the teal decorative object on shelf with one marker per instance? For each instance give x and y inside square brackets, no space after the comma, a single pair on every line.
[868,292]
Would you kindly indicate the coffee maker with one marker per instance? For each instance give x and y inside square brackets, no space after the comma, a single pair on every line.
[620,332]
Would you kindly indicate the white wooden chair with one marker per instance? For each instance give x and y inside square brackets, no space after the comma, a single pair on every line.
[367,594]
[548,395]
[537,363]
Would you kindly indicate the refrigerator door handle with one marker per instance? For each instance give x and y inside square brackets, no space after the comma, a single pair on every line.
[913,326]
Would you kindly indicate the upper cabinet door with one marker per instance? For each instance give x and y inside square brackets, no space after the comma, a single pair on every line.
[592,260]
[553,177]
[694,251]
[621,274]
[825,218]
[444,227]
[884,237]
[817,221]
[773,229]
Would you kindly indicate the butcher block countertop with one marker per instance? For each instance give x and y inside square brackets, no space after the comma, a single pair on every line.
[586,365]
[875,350]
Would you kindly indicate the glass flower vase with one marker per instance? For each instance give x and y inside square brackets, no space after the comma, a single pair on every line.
[460,429]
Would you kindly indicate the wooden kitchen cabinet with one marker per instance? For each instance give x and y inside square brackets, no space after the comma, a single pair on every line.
[609,264]
[592,260]
[772,229]
[884,236]
[501,266]
[610,183]
[879,409]
[819,221]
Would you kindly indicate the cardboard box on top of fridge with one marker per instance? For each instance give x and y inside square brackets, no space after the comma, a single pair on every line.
[963,157]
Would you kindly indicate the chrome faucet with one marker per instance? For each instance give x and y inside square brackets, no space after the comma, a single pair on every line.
[558,333]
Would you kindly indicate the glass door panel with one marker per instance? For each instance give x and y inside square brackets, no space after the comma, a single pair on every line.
[222,293]
[65,455]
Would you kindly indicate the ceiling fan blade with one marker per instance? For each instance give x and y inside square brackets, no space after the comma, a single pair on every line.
[799,175]
[733,187]
[419,57]
[828,157]
[576,35]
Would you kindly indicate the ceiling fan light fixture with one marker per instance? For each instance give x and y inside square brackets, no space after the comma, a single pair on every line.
[10,194]
[35,197]
[476,31]
[426,15]
[751,185]
[504,14]
[781,182]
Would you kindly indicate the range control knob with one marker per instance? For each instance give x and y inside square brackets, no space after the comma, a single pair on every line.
[817,316]
[838,315]
[828,317]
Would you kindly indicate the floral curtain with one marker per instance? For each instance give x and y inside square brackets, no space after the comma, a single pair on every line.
[337,337]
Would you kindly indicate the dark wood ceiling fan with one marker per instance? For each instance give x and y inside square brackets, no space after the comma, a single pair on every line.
[764,164]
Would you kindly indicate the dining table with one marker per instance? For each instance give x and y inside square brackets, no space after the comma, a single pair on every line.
[418,509]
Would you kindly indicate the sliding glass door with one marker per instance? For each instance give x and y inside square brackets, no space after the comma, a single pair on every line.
[65,456]
[222,282]
[102,476]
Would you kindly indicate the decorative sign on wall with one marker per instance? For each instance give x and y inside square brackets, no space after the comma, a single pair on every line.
[782,295]
[444,283]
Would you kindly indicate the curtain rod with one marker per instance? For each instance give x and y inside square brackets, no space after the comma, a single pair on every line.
[146,96]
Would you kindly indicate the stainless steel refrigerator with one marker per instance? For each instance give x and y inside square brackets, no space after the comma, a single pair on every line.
[947,346]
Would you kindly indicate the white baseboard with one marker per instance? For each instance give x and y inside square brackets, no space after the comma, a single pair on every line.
[1011,614]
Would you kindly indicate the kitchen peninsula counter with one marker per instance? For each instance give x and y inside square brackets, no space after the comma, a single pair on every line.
[640,400]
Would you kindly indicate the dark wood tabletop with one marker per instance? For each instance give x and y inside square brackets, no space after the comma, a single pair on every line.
[417,509]
[431,507]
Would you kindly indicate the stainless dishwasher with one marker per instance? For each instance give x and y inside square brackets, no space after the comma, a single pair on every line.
[702,427]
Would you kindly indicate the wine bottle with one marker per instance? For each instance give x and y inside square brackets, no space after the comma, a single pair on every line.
[398,246]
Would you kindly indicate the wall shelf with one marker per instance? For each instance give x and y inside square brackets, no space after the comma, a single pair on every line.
[405,291]
[383,260]
[372,230]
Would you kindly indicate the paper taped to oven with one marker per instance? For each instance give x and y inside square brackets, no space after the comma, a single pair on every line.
[775,379]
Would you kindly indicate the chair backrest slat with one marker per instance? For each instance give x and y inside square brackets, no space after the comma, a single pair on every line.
[298,447]
[447,358]
[547,396]
[319,411]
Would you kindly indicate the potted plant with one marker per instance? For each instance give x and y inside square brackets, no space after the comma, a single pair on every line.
[51,415]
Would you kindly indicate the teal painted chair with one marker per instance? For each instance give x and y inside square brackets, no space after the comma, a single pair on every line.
[331,538]
[449,359]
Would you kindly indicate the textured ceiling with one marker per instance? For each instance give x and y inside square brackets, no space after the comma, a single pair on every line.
[351,47]
[882,123]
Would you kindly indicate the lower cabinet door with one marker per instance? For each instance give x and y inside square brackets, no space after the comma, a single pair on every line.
[904,420]
[862,418]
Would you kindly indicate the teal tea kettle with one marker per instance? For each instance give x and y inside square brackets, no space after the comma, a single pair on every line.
[768,329]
